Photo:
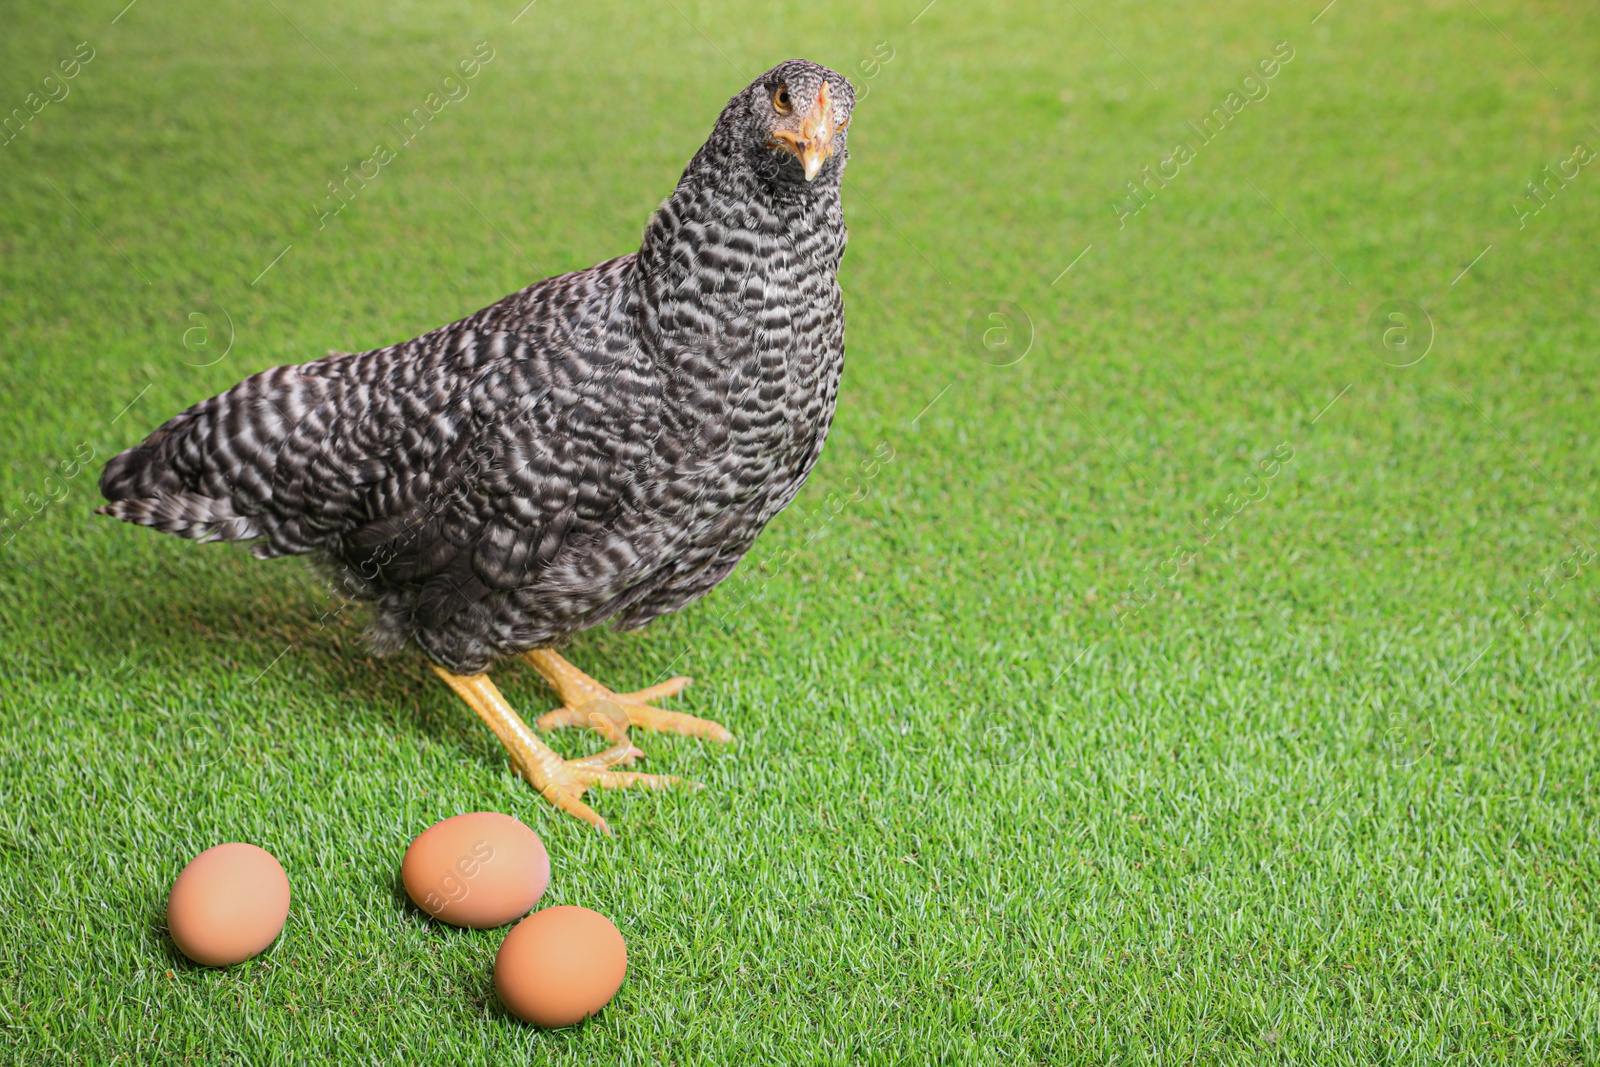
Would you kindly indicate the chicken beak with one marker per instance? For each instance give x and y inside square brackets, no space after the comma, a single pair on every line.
[816,133]
[813,144]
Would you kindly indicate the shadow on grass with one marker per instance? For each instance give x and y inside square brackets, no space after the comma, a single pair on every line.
[153,616]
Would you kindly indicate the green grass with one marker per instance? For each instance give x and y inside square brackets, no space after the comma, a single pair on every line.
[1325,798]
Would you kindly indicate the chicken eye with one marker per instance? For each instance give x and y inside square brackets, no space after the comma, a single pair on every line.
[780,100]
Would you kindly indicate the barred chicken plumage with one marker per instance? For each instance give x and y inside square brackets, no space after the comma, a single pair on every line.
[600,447]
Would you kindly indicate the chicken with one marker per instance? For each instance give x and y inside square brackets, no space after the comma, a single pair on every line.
[600,447]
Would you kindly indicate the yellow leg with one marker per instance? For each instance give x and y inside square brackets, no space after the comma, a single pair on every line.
[588,703]
[562,782]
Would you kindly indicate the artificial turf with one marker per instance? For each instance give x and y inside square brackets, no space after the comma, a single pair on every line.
[1169,689]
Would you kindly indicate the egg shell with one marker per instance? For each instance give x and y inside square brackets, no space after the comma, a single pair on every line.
[481,869]
[228,904]
[559,966]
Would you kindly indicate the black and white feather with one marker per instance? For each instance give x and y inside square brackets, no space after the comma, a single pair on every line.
[602,446]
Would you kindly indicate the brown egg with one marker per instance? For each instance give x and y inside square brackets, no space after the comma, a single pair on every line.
[228,904]
[560,965]
[480,870]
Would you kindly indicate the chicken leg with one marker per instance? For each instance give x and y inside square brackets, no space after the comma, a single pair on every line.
[562,782]
[588,703]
